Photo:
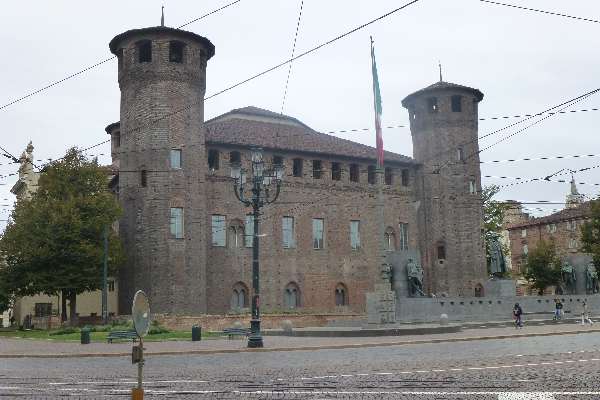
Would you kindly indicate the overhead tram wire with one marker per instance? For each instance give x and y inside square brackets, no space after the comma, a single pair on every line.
[564,105]
[258,75]
[540,158]
[75,74]
[287,80]
[558,14]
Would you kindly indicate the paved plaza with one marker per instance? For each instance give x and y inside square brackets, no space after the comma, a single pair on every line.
[555,364]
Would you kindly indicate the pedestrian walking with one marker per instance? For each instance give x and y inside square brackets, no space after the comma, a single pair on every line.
[558,306]
[518,315]
[585,316]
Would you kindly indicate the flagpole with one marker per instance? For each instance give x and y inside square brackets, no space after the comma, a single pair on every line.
[385,272]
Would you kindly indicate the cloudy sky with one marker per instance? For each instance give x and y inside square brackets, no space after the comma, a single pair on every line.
[524,62]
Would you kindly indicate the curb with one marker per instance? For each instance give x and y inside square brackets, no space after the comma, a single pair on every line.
[300,348]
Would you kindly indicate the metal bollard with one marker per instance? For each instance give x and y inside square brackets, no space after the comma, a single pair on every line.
[196,333]
[85,335]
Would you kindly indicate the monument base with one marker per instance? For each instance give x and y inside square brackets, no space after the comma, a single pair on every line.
[498,287]
[381,305]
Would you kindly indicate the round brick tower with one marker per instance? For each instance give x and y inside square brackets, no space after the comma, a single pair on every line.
[162,164]
[444,125]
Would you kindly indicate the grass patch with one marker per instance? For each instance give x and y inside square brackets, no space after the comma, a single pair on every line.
[98,334]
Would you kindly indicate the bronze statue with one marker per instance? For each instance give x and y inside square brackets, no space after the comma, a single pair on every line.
[414,272]
[497,260]
[591,279]
[567,274]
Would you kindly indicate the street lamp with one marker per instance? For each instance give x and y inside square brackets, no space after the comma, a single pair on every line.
[266,184]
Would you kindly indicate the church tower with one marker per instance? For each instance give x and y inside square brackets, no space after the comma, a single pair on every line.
[444,125]
[162,163]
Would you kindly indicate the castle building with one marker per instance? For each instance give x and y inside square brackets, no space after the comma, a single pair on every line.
[188,239]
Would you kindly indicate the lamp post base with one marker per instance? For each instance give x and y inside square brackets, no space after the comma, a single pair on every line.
[255,339]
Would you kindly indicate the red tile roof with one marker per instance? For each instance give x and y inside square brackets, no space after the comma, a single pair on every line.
[581,211]
[252,126]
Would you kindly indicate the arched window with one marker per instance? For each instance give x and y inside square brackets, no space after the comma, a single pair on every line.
[236,233]
[291,295]
[389,239]
[144,49]
[479,290]
[239,297]
[341,295]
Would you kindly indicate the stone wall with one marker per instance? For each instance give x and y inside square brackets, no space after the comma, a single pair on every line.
[269,321]
[487,309]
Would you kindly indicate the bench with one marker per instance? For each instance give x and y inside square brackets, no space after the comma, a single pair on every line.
[231,332]
[121,335]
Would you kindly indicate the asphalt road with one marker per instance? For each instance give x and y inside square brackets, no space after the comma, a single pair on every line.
[552,367]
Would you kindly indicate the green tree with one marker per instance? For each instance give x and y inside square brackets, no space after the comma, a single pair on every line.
[590,233]
[493,218]
[53,242]
[542,267]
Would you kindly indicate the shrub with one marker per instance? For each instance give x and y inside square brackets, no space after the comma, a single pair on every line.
[64,331]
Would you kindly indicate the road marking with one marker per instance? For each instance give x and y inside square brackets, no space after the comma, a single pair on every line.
[525,396]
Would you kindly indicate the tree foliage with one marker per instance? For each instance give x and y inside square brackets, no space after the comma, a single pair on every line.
[493,217]
[53,242]
[590,233]
[542,267]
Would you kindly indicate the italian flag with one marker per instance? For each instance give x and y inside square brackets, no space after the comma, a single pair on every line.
[377,106]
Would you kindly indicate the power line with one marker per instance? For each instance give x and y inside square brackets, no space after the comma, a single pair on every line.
[539,158]
[292,56]
[541,11]
[538,180]
[73,75]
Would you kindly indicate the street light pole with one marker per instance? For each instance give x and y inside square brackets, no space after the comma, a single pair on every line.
[262,194]
[105,279]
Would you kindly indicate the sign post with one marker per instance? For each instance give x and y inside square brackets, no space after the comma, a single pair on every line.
[140,311]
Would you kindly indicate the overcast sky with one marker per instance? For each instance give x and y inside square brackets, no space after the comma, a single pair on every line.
[524,62]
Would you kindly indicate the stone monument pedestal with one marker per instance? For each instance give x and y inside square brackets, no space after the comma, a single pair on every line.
[498,287]
[381,305]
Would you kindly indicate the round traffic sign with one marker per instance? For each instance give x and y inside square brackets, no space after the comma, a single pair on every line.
[140,311]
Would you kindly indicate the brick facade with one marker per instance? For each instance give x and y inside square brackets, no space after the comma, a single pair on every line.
[162,109]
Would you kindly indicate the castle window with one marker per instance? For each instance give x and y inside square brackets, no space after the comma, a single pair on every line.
[354,173]
[551,228]
[287,228]
[176,51]
[117,139]
[460,154]
[297,167]
[371,176]
[144,49]
[472,187]
[213,159]
[144,178]
[219,231]
[316,169]
[389,239]
[456,103]
[388,176]
[249,231]
[572,243]
[523,233]
[432,104]
[235,157]
[236,234]
[403,236]
[317,230]
[355,235]
[291,295]
[176,222]
[405,177]
[525,249]
[441,252]
[176,158]
[341,295]
[336,171]
[111,286]
[239,297]
[479,290]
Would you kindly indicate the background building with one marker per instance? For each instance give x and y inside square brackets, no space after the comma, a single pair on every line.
[188,238]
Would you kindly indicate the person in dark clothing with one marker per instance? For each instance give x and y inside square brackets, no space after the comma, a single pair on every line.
[558,309]
[518,314]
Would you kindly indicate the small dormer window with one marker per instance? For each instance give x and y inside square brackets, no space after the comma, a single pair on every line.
[456,103]
[144,51]
[176,51]
[432,104]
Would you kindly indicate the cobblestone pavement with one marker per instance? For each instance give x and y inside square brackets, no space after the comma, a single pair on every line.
[549,367]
